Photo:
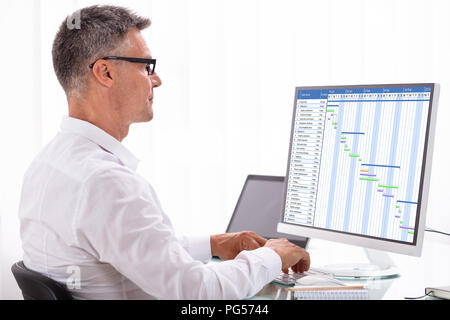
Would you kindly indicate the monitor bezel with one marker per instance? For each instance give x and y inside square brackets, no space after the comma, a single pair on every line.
[410,248]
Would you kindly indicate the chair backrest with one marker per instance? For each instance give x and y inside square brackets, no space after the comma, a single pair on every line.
[36,286]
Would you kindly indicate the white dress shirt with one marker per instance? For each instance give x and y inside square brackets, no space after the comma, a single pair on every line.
[88,220]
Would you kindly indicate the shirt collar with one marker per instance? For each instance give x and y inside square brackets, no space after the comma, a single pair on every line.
[101,138]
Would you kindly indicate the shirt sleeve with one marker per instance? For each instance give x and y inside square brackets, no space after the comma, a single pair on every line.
[199,247]
[119,222]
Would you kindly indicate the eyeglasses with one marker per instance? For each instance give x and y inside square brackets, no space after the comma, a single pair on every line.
[150,67]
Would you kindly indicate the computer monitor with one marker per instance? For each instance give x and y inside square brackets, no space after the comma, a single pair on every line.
[359,167]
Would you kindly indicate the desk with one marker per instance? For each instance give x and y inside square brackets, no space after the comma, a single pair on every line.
[416,273]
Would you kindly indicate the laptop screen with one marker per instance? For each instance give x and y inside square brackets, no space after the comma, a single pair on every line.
[259,207]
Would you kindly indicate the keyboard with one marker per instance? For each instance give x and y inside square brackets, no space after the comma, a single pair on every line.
[290,278]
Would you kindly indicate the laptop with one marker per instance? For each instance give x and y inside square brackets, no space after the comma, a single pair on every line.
[259,208]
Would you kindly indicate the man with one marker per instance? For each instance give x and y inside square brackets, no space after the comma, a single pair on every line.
[89,220]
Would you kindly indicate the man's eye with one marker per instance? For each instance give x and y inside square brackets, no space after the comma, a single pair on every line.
[147,68]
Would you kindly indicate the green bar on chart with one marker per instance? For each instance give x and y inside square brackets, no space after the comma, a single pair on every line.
[383,186]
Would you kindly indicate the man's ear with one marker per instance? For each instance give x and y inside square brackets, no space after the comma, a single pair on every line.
[104,73]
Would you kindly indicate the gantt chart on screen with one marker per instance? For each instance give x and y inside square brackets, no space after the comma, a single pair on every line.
[356,160]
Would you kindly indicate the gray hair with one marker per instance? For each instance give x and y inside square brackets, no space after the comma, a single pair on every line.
[98,31]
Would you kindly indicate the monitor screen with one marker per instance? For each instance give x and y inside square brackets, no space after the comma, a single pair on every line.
[259,206]
[357,159]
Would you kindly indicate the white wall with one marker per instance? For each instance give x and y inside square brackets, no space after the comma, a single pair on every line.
[229,69]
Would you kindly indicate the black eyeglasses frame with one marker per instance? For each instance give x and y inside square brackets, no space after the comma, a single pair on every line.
[151,63]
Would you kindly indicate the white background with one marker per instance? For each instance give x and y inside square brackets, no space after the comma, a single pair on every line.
[228,69]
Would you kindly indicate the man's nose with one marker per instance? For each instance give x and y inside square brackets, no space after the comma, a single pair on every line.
[156,81]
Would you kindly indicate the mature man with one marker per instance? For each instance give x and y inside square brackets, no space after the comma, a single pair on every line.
[89,219]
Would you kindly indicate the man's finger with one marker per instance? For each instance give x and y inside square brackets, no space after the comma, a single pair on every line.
[262,241]
[306,261]
[303,264]
[252,244]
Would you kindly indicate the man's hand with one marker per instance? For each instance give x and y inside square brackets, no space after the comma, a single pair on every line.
[291,255]
[228,245]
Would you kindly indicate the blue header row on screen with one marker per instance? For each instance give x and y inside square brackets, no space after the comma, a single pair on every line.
[323,93]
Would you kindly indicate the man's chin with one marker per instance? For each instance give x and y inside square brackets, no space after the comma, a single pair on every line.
[150,111]
[147,117]
[144,117]
[148,114]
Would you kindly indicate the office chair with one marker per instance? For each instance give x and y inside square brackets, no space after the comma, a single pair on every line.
[36,286]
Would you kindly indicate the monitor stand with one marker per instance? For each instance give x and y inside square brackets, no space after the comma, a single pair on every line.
[380,266]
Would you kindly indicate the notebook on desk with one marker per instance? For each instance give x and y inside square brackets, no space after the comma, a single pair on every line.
[330,293]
